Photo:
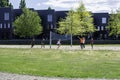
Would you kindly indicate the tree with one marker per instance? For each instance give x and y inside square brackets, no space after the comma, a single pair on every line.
[114,23]
[28,24]
[49,8]
[5,3]
[66,24]
[10,5]
[22,4]
[85,19]
[79,22]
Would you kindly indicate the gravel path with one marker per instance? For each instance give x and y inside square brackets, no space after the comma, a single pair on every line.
[88,47]
[8,76]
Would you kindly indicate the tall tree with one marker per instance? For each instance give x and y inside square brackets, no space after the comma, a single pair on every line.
[78,22]
[66,25]
[114,23]
[28,24]
[85,21]
[49,8]
[10,5]
[22,4]
[5,3]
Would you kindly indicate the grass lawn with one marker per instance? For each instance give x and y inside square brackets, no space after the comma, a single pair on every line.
[61,63]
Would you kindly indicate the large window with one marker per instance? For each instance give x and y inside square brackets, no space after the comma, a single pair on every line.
[6,16]
[104,20]
[8,25]
[4,25]
[49,18]
[1,26]
[98,27]
[102,27]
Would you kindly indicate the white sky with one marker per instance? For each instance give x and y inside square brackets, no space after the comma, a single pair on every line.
[91,5]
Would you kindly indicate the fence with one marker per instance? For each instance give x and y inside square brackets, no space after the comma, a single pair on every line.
[64,42]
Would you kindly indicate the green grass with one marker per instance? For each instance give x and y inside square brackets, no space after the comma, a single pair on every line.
[61,63]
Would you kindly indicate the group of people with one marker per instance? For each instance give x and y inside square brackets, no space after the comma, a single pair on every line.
[43,43]
[81,39]
[82,42]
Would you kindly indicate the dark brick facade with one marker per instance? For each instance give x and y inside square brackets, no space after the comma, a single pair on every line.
[8,15]
[6,19]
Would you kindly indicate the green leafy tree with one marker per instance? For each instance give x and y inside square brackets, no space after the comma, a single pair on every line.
[78,22]
[66,25]
[5,3]
[22,4]
[10,5]
[85,19]
[28,24]
[49,8]
[114,23]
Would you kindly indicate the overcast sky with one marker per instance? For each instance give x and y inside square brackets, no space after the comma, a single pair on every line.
[91,5]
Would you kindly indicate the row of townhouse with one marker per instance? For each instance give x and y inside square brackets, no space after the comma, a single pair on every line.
[50,20]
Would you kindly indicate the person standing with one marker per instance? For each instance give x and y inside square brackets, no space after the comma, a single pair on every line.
[58,43]
[83,40]
[91,42]
[43,43]
[32,42]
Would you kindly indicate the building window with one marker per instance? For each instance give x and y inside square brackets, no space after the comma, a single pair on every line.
[98,28]
[51,26]
[49,18]
[102,28]
[104,20]
[6,16]
[1,26]
[8,25]
[4,25]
